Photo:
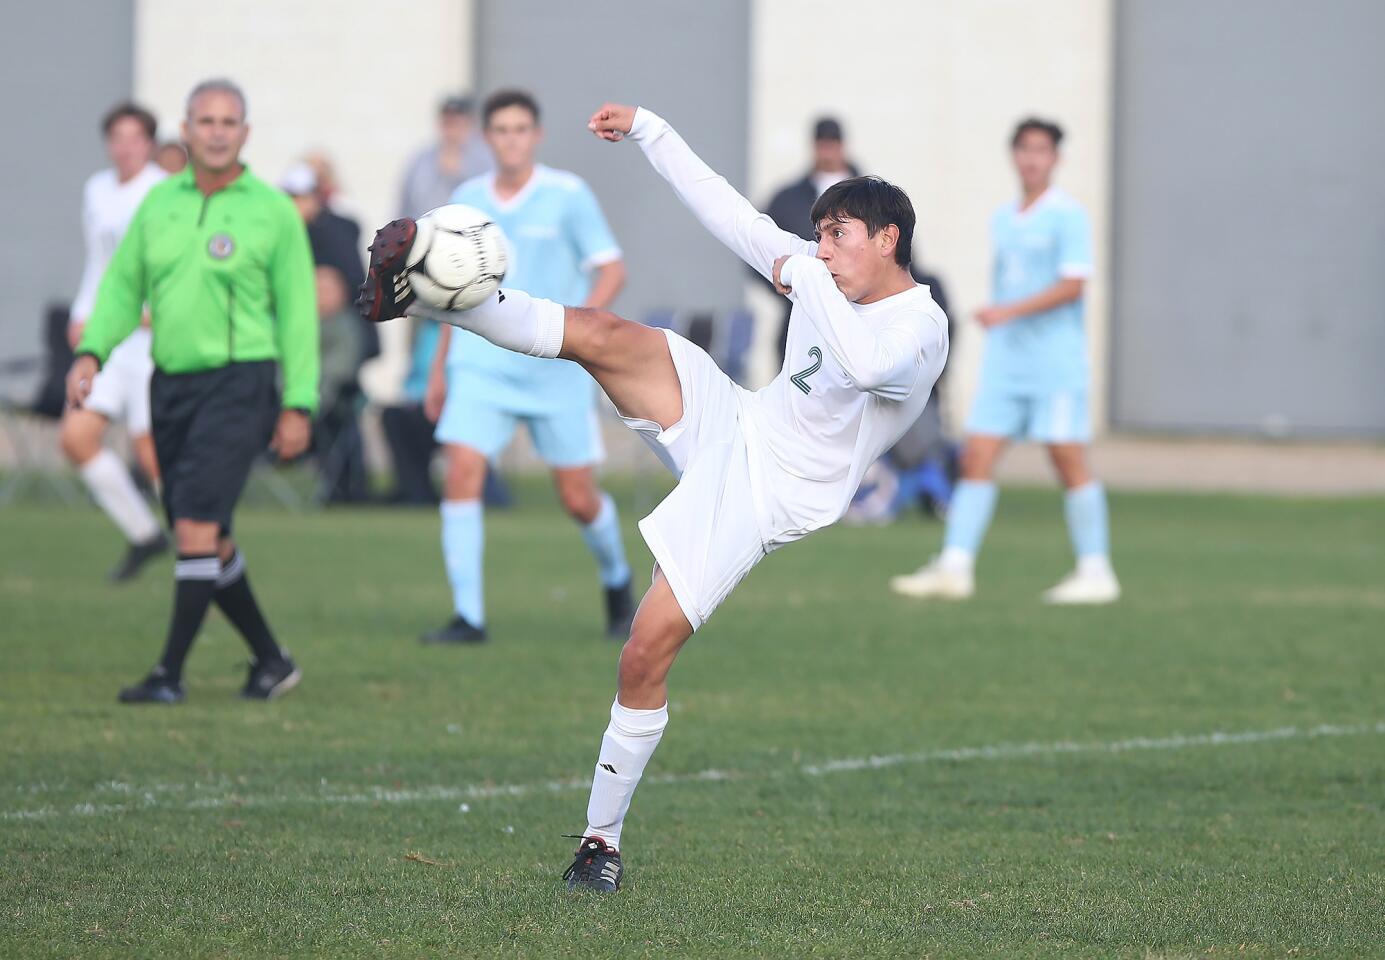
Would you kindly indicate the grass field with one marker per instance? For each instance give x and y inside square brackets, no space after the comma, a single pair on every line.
[1047,782]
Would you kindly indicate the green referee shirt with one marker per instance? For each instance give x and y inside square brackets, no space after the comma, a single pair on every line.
[228,278]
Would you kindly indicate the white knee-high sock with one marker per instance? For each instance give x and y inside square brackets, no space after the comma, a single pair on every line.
[114,490]
[625,749]
[511,319]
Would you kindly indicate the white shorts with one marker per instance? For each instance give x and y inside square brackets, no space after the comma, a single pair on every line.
[704,535]
[121,390]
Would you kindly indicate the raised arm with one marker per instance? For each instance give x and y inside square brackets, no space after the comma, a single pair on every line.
[726,214]
[885,361]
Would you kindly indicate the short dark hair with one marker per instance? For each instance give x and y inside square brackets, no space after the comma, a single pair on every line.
[875,202]
[1055,132]
[509,98]
[458,105]
[132,111]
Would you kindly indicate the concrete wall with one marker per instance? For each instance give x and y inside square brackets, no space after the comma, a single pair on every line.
[63,64]
[311,73]
[928,93]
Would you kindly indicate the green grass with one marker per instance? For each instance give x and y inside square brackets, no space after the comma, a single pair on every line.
[224,828]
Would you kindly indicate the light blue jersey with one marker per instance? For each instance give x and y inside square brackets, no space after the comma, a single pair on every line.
[1042,353]
[557,237]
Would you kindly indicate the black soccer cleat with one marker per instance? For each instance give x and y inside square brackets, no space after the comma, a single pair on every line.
[458,630]
[136,556]
[271,679]
[620,612]
[596,866]
[155,688]
[387,293]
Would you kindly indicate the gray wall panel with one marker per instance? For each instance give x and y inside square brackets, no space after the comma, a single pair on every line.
[63,63]
[1250,217]
[690,62]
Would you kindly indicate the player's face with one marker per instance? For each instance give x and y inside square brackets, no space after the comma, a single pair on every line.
[172,157]
[128,147]
[1035,157]
[215,131]
[513,137]
[857,261]
[454,128]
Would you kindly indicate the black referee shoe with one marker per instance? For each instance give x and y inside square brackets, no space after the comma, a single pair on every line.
[155,688]
[458,630]
[595,867]
[136,556]
[620,612]
[271,679]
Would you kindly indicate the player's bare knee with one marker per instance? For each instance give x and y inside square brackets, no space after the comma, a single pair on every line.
[582,502]
[196,537]
[978,463]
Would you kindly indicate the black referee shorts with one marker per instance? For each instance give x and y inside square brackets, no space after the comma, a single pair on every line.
[209,427]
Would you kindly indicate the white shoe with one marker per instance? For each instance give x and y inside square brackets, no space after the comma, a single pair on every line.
[1085,588]
[934,580]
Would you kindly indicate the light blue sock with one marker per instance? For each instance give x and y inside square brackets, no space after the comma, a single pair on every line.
[1085,508]
[463,542]
[969,514]
[603,540]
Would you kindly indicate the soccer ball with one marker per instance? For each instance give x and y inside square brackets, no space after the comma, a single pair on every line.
[458,258]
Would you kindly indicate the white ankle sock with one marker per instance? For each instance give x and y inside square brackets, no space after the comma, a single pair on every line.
[956,560]
[115,492]
[1095,565]
[511,319]
[625,749]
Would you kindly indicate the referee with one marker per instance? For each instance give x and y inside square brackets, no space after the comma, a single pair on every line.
[222,260]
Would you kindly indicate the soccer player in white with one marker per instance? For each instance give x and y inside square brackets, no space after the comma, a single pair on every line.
[121,389]
[757,470]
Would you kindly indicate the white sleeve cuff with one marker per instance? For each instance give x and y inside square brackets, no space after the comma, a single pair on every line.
[1074,271]
[794,267]
[646,124]
[602,257]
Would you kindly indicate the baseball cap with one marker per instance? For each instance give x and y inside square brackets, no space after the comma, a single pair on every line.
[827,128]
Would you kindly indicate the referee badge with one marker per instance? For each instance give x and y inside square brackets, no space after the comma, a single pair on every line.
[221,246]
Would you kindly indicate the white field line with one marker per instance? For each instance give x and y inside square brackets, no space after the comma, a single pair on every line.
[170,795]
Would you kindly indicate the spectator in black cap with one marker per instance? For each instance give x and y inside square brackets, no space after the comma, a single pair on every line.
[792,206]
[437,170]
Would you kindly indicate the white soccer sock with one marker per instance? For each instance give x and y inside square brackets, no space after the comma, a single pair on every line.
[1095,565]
[115,492]
[511,319]
[625,749]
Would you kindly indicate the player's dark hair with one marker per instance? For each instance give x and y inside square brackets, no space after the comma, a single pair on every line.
[509,98]
[876,203]
[1054,132]
[132,111]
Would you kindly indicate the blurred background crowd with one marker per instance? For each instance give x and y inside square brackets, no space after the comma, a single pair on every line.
[1236,202]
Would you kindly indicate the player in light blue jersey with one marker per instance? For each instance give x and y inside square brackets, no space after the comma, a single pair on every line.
[1034,380]
[560,248]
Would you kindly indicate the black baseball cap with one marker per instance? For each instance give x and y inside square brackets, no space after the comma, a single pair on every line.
[827,128]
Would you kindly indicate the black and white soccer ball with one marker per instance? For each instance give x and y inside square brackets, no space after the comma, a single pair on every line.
[458,258]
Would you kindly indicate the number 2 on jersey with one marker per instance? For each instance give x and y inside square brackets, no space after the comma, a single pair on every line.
[800,379]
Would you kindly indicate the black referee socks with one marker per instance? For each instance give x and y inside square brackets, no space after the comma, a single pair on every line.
[234,597]
[195,582]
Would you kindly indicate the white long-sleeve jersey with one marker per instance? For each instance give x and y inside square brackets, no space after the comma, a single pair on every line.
[855,376]
[107,208]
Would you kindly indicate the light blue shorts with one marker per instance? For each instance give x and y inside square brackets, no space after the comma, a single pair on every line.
[568,436]
[1059,416]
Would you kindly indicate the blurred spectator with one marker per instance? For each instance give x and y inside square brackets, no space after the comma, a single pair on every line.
[408,429]
[791,208]
[337,434]
[172,156]
[336,240]
[436,171]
